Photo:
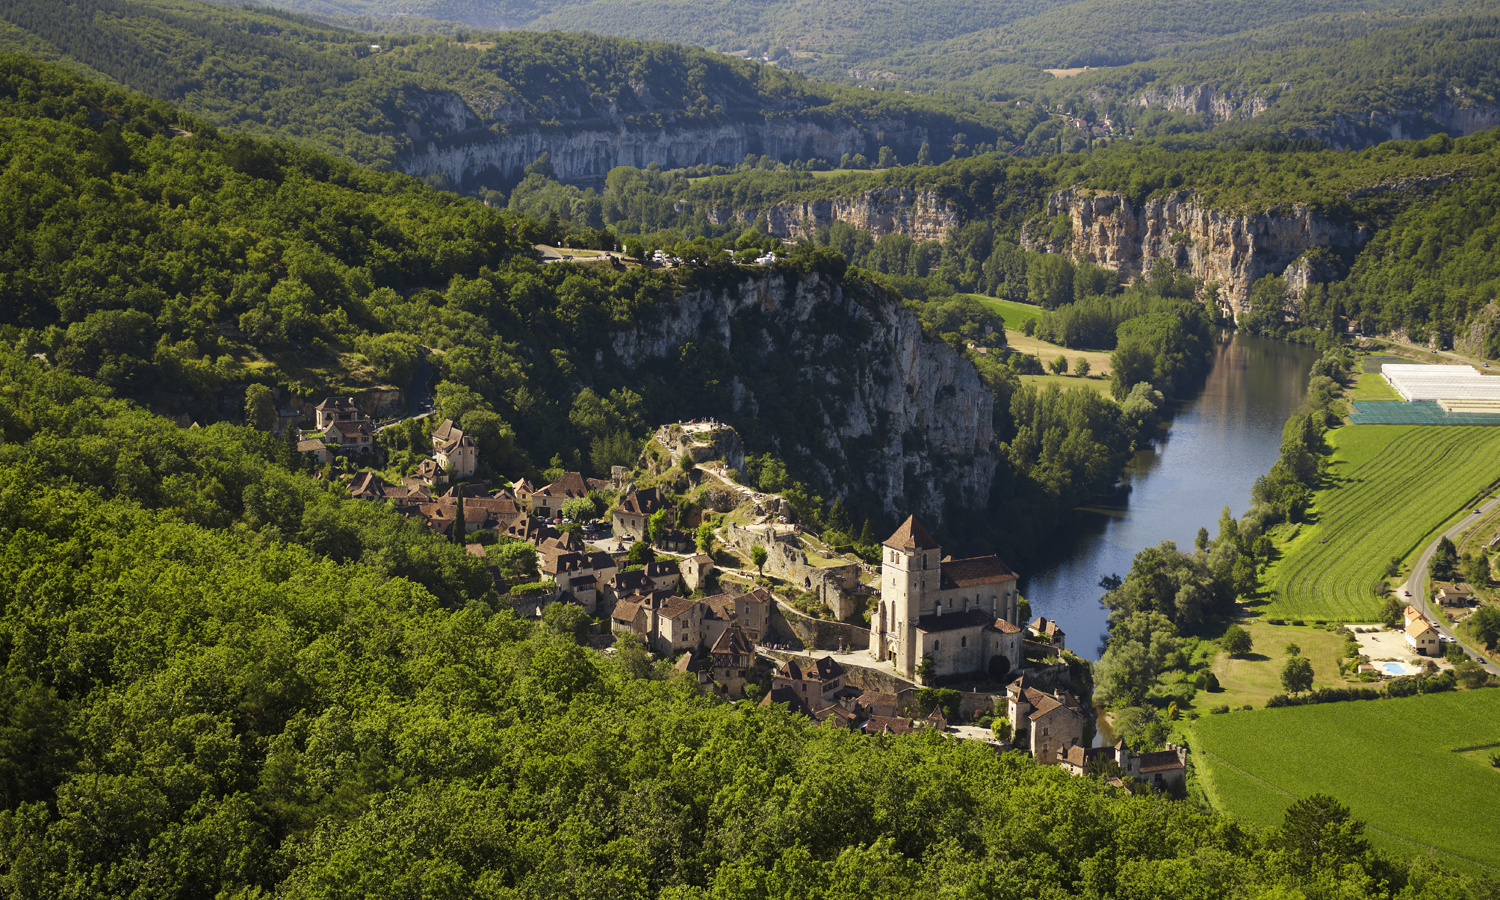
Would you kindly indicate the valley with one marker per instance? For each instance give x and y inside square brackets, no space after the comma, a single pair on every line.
[653,448]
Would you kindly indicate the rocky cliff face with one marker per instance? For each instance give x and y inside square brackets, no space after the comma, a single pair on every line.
[1232,250]
[902,418]
[1204,99]
[461,137]
[919,214]
[1344,132]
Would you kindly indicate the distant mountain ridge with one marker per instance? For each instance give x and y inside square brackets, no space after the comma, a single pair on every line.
[475,110]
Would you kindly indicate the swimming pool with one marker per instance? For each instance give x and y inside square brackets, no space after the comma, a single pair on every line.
[1395,668]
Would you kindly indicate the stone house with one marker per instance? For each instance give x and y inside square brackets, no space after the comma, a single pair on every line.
[336,409]
[818,682]
[316,449]
[1449,594]
[750,612]
[665,574]
[1421,637]
[696,569]
[1163,770]
[959,612]
[351,435]
[632,518]
[733,657]
[522,491]
[580,573]
[1041,722]
[367,486]
[454,450]
[696,667]
[548,501]
[430,473]
[1049,632]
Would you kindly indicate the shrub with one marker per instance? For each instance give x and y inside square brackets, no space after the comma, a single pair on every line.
[1219,710]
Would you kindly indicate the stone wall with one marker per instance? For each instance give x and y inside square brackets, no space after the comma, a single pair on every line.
[868,681]
[786,559]
[789,627]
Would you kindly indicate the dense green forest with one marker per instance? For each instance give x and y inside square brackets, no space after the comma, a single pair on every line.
[219,681]
[176,264]
[275,74]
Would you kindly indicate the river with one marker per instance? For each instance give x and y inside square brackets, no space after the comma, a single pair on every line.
[1219,440]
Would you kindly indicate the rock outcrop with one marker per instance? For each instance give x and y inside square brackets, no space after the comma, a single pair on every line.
[1232,250]
[894,416]
[1343,131]
[920,214]
[1205,99]
[497,135]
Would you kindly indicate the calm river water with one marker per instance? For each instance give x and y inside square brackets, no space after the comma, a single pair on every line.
[1220,440]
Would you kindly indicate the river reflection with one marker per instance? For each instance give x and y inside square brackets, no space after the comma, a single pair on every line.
[1219,441]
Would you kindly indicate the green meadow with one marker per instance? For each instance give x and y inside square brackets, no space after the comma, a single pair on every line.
[1416,770]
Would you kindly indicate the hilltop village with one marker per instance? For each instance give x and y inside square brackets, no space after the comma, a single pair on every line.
[678,559]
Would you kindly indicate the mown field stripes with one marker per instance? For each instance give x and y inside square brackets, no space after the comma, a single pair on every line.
[1389,486]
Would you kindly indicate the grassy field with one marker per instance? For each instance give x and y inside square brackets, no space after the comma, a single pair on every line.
[1068,381]
[1018,341]
[1372,386]
[1389,488]
[1015,314]
[1256,677]
[1415,770]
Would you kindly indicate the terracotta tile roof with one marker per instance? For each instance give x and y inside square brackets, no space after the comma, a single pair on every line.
[789,697]
[911,536]
[677,606]
[475,550]
[568,487]
[1073,755]
[662,568]
[624,612]
[734,641]
[874,699]
[640,503]
[979,570]
[1418,627]
[700,559]
[1046,626]
[310,445]
[689,662]
[889,725]
[835,715]
[630,581]
[1005,627]
[973,618]
[720,606]
[1160,761]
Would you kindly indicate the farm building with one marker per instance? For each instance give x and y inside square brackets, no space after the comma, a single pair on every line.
[1456,389]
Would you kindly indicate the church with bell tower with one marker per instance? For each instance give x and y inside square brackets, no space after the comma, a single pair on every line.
[959,612]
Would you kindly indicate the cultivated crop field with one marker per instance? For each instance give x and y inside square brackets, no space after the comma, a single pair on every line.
[1416,770]
[1389,486]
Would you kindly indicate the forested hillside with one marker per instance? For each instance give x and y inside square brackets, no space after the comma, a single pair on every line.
[204,698]
[177,265]
[478,107]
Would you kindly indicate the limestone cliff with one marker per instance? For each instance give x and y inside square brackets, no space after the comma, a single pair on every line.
[1343,131]
[892,414]
[917,213]
[1232,250]
[499,134]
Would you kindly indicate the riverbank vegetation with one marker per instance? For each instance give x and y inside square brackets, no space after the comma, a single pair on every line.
[1443,741]
[1167,611]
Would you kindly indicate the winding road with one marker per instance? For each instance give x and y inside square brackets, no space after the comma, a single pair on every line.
[1416,585]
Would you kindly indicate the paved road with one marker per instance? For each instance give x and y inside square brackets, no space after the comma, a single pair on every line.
[1416,585]
[1478,363]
